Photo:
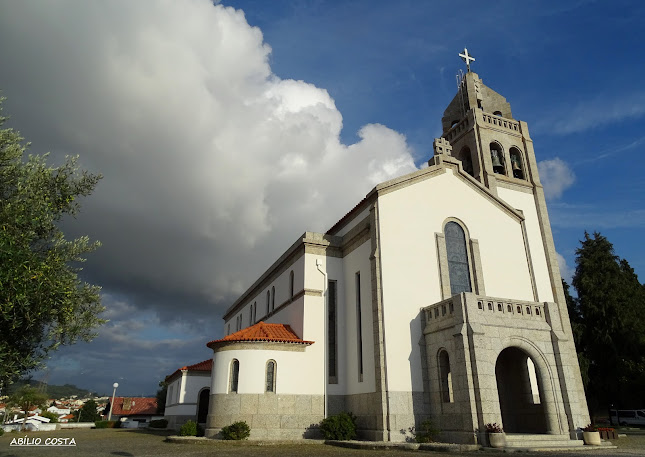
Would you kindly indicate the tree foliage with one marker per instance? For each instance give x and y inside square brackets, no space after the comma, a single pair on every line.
[608,322]
[87,412]
[43,303]
[26,398]
[161,397]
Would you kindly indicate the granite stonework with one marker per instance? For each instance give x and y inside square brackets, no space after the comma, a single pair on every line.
[270,416]
[488,341]
[175,422]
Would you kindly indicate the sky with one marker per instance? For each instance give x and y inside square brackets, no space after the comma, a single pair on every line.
[225,130]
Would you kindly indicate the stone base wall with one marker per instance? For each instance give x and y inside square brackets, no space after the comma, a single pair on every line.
[407,409]
[175,422]
[270,416]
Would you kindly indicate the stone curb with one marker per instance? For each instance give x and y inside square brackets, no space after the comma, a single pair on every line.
[436,447]
[193,439]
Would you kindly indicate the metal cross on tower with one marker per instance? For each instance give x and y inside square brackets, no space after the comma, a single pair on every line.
[467,58]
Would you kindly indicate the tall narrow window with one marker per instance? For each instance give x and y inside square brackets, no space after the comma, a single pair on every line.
[466,160]
[516,163]
[273,298]
[270,380]
[359,327]
[497,157]
[228,329]
[235,375]
[291,284]
[255,312]
[250,315]
[445,377]
[332,367]
[458,268]
[268,300]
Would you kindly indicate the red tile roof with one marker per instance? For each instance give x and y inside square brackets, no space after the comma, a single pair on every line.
[138,406]
[262,331]
[206,365]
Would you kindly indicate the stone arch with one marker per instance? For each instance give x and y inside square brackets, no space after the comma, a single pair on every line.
[445,376]
[547,383]
[517,162]
[497,158]
[203,400]
[234,377]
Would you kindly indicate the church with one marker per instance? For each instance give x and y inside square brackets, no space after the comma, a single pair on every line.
[437,296]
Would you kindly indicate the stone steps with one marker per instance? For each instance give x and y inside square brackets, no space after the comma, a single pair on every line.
[530,442]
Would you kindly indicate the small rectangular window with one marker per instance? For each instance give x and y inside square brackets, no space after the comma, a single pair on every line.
[332,359]
[359,327]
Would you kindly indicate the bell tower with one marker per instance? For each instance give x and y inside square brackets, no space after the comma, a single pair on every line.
[496,150]
[493,147]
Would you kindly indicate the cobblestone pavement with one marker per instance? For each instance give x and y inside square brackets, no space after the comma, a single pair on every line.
[140,443]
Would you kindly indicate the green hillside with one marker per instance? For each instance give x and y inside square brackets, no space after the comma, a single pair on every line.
[53,391]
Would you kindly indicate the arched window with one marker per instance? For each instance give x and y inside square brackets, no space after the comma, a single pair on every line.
[445,377]
[270,378]
[458,267]
[516,163]
[497,113]
[272,298]
[235,375]
[497,157]
[466,160]
[291,284]
[255,312]
[268,300]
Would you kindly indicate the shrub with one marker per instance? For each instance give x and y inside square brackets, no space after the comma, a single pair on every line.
[53,418]
[494,428]
[159,423]
[107,424]
[426,433]
[339,427]
[590,428]
[236,431]
[188,429]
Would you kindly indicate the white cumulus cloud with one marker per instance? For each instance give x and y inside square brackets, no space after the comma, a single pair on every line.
[556,177]
[213,165]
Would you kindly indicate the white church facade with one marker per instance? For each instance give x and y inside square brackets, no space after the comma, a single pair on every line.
[438,296]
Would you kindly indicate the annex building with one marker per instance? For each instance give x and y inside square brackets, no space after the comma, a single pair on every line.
[437,296]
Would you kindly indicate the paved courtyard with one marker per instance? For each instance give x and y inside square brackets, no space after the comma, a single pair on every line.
[135,443]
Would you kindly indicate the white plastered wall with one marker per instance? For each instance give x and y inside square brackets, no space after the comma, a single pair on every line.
[348,382]
[408,220]
[526,203]
[296,372]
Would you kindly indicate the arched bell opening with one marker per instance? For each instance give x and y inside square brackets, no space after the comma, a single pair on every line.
[497,158]
[466,160]
[516,163]
[202,405]
[520,392]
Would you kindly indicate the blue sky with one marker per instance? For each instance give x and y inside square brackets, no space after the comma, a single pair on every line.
[221,135]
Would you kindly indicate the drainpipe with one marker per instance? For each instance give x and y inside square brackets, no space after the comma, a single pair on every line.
[319,263]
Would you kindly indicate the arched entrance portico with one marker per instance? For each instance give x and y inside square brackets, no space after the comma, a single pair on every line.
[202,406]
[521,395]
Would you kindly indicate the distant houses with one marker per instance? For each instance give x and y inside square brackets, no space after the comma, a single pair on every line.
[133,412]
[188,394]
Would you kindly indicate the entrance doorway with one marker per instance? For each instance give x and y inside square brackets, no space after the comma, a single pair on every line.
[202,406]
[520,392]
